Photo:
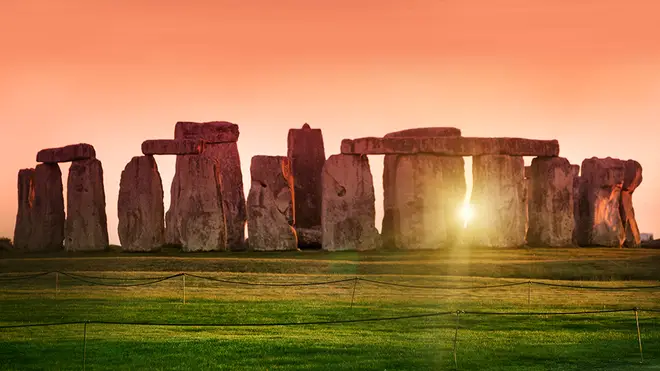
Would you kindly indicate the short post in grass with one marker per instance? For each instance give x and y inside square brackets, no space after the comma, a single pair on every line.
[84,345]
[529,293]
[458,313]
[355,281]
[639,335]
[57,283]
[184,287]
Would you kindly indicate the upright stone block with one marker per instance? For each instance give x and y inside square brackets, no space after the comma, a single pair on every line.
[220,139]
[551,219]
[23,228]
[422,195]
[632,180]
[140,206]
[307,155]
[348,218]
[498,201]
[196,218]
[270,205]
[86,221]
[600,195]
[47,212]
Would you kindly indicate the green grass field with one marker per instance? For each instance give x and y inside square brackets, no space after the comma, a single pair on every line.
[602,341]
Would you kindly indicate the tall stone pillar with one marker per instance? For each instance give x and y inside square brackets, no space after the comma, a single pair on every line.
[220,139]
[423,195]
[632,180]
[551,219]
[349,210]
[23,228]
[86,220]
[306,152]
[498,201]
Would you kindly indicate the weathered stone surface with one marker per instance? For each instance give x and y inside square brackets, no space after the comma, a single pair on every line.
[220,145]
[577,181]
[47,213]
[393,219]
[140,206]
[527,192]
[23,228]
[551,212]
[274,172]
[196,218]
[210,132]
[74,152]
[632,180]
[172,147]
[348,212]
[310,238]
[600,194]
[498,201]
[428,196]
[86,221]
[270,204]
[306,151]
[451,146]
[268,228]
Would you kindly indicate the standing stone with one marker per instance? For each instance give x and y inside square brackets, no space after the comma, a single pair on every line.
[220,139]
[196,219]
[632,180]
[307,155]
[423,195]
[600,194]
[23,228]
[551,218]
[498,200]
[577,179]
[270,205]
[86,221]
[47,212]
[140,206]
[349,211]
[528,194]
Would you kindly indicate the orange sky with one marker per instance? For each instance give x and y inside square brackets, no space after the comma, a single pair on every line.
[113,73]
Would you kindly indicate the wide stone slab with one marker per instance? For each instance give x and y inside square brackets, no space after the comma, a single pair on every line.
[172,147]
[450,146]
[210,132]
[74,152]
[140,207]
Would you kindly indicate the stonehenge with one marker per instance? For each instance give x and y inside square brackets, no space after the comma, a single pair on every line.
[270,205]
[348,206]
[140,207]
[303,200]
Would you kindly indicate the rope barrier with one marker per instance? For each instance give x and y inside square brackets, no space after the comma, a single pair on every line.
[121,285]
[271,284]
[440,287]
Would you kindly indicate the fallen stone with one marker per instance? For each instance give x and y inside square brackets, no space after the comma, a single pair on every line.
[306,152]
[310,238]
[220,145]
[600,195]
[23,228]
[498,201]
[74,152]
[86,220]
[140,206]
[268,228]
[404,190]
[196,218]
[47,213]
[551,206]
[210,132]
[450,146]
[348,212]
[651,244]
[172,147]
[632,180]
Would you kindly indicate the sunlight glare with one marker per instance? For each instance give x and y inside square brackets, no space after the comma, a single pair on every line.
[467,213]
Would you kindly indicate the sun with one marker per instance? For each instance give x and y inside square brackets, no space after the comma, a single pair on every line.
[467,213]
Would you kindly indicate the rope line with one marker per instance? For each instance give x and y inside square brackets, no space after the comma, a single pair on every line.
[122,285]
[270,284]
[332,322]
[441,287]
